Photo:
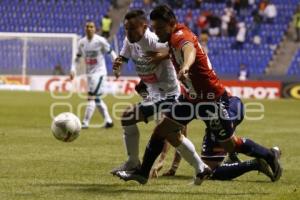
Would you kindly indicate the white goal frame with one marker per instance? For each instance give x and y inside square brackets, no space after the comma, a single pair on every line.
[24,37]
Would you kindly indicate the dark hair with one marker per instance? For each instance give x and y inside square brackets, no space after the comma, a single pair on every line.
[163,12]
[89,21]
[140,14]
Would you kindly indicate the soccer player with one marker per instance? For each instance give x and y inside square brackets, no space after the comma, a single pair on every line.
[205,98]
[91,48]
[163,89]
[214,155]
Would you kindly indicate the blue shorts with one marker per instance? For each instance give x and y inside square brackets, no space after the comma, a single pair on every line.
[221,116]
[211,149]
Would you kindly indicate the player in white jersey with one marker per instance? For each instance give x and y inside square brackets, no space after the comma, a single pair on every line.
[92,48]
[162,87]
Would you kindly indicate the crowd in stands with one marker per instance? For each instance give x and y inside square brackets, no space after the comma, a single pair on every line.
[235,32]
[230,22]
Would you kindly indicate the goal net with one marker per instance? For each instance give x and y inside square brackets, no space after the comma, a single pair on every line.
[36,53]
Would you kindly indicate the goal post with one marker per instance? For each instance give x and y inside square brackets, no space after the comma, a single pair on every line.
[36,53]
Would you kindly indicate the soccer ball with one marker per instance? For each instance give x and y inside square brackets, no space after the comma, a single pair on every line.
[66,127]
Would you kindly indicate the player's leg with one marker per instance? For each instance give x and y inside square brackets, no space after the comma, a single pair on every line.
[232,143]
[131,135]
[229,171]
[159,165]
[144,111]
[162,157]
[253,149]
[170,129]
[155,146]
[176,159]
[100,104]
[214,155]
[176,119]
[92,81]
[89,111]
[140,112]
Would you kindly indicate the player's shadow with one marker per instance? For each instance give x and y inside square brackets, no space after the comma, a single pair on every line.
[177,177]
[132,188]
[253,181]
[187,178]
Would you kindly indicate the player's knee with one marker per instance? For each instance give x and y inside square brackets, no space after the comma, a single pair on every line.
[129,117]
[169,130]
[175,139]
[238,143]
[91,98]
[97,100]
[232,144]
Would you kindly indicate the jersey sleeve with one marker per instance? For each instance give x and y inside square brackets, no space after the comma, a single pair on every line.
[161,47]
[78,55]
[180,38]
[125,51]
[79,49]
[106,48]
[156,46]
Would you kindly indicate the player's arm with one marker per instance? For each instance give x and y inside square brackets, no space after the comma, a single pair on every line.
[112,54]
[159,52]
[157,57]
[189,57]
[107,49]
[117,65]
[74,64]
[121,59]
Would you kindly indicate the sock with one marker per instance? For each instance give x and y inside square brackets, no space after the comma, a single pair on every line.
[101,106]
[188,152]
[131,140]
[233,170]
[250,148]
[153,149]
[89,111]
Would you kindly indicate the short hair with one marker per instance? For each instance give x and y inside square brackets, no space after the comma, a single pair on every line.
[140,14]
[163,12]
[90,21]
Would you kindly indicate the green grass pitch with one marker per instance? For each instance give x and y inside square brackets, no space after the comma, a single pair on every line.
[34,165]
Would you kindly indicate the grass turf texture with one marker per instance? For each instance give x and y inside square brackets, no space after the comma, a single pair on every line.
[34,165]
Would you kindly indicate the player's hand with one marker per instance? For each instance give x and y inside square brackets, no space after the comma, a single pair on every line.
[72,75]
[117,67]
[183,74]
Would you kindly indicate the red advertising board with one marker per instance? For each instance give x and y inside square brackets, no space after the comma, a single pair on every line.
[254,89]
[126,85]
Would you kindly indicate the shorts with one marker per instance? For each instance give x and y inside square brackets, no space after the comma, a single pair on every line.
[221,117]
[150,108]
[211,149]
[95,84]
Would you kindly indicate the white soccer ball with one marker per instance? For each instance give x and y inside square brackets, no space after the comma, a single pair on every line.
[66,127]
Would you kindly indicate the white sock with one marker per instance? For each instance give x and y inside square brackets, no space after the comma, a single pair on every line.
[188,152]
[89,111]
[131,140]
[101,106]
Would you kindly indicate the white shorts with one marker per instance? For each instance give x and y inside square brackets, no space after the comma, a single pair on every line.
[96,83]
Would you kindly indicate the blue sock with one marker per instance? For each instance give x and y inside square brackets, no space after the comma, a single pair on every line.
[153,149]
[233,170]
[253,149]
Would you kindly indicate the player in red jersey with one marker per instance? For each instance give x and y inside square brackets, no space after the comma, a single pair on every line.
[205,98]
